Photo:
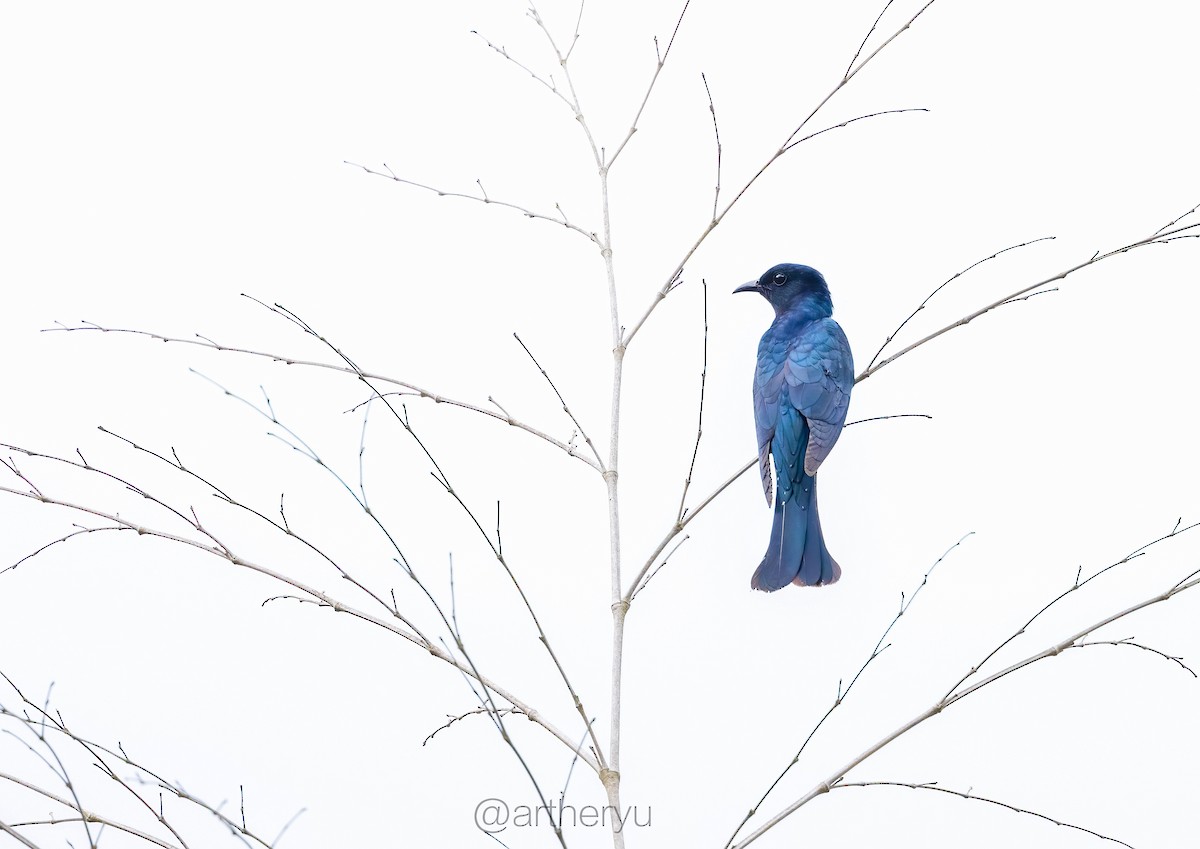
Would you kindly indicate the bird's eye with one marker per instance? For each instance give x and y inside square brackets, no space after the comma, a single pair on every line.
[780,279]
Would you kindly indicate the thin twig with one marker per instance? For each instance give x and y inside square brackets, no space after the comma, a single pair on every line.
[662,60]
[932,785]
[1129,641]
[850,121]
[678,527]
[866,38]
[500,558]
[503,51]
[562,401]
[443,193]
[943,285]
[573,99]
[462,716]
[362,450]
[717,135]
[892,416]
[1160,236]
[687,481]
[562,796]
[1177,219]
[666,557]
[52,543]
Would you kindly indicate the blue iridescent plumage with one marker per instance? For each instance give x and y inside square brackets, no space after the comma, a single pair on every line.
[802,386]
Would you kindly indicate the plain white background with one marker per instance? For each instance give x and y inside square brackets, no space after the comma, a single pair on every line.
[159,160]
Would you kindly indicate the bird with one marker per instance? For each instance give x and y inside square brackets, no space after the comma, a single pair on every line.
[802,384]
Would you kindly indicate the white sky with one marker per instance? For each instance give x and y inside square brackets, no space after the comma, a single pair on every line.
[159,160]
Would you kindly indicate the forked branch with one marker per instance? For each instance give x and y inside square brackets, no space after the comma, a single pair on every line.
[788,144]
[411,388]
[1076,640]
[219,549]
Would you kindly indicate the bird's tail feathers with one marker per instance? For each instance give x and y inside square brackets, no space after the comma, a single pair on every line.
[796,553]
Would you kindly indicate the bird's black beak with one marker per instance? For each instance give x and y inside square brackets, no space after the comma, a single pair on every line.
[752,286]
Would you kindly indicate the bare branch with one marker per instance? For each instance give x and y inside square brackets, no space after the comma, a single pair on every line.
[932,785]
[573,100]
[443,193]
[717,136]
[1129,641]
[788,143]
[16,835]
[62,539]
[327,600]
[1160,236]
[360,374]
[575,38]
[850,121]
[308,451]
[892,416]
[549,84]
[42,723]
[880,647]
[489,707]
[943,285]
[462,716]
[687,482]
[867,37]
[442,478]
[562,401]
[662,60]
[958,695]
[362,450]
[678,527]
[1176,220]
[650,577]
[1075,587]
[500,558]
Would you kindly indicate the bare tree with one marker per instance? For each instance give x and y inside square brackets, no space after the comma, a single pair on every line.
[189,507]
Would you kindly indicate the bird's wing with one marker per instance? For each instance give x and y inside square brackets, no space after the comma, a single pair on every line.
[819,374]
[768,390]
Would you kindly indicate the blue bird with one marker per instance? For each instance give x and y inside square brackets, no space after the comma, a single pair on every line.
[802,389]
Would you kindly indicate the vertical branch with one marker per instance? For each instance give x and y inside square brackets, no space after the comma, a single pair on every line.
[717,134]
[610,774]
[687,482]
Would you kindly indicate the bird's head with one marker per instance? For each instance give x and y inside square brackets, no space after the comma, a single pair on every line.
[789,286]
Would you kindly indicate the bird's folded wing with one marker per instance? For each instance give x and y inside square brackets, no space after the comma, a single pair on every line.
[768,387]
[819,374]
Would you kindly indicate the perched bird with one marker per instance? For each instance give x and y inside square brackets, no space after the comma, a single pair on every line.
[802,389]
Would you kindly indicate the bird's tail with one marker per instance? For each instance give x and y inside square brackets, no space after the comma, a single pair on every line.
[796,553]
